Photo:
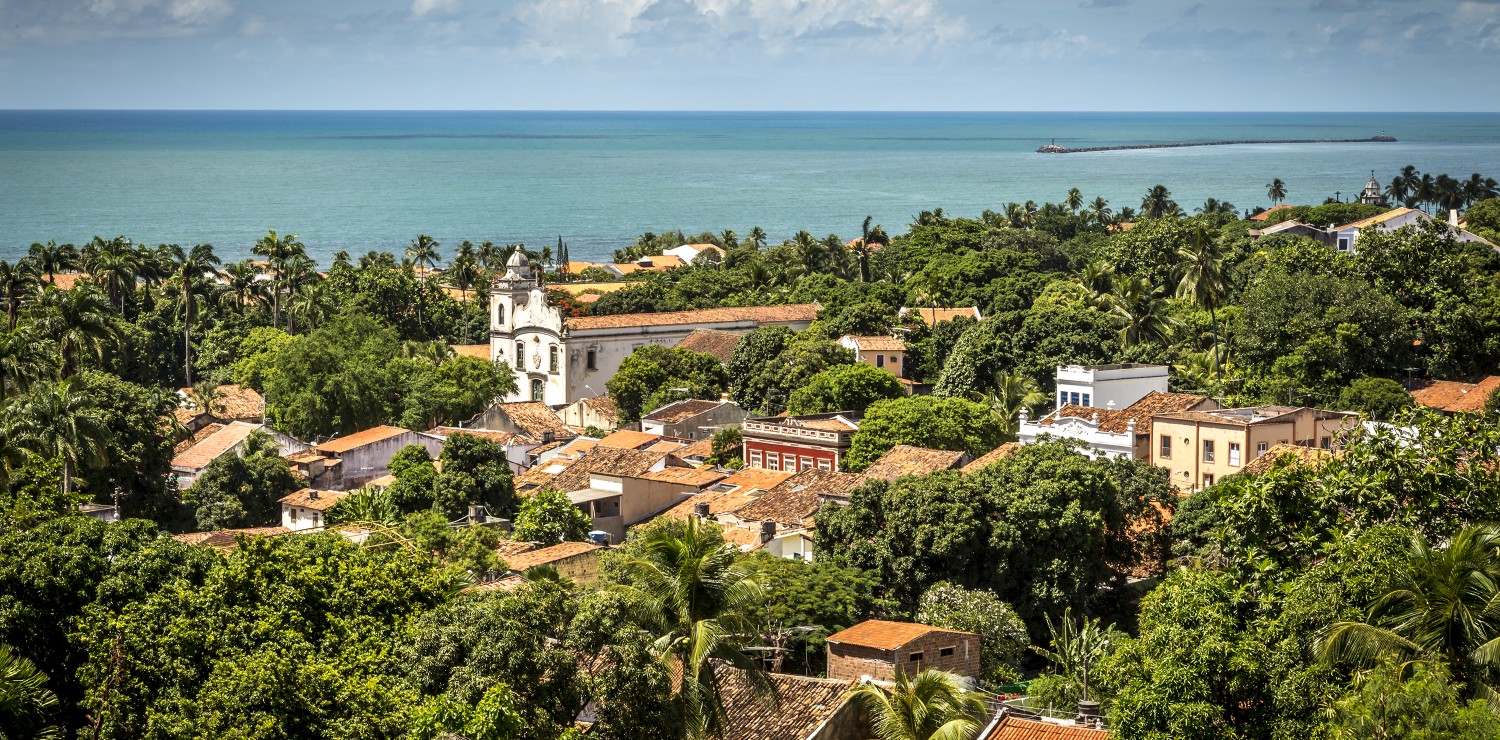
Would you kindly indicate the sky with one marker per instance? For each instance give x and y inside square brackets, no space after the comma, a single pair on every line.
[1118,55]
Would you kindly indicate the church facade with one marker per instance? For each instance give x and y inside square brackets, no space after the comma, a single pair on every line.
[559,360]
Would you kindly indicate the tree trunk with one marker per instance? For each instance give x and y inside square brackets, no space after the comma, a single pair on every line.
[187,336]
[67,476]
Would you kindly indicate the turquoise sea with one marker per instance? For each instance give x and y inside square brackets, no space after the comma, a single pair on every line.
[374,180]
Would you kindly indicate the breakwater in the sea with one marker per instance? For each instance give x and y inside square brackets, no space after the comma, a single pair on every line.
[1053,148]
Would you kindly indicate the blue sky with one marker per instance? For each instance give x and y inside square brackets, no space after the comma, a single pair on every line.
[1385,55]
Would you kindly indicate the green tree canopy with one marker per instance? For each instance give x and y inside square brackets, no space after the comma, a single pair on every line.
[924,421]
[845,388]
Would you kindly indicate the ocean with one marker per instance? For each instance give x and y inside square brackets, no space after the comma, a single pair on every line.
[375,180]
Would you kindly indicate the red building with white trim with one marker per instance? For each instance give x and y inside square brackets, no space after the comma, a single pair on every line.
[797,443]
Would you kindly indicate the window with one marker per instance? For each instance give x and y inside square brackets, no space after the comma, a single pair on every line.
[520,356]
[806,463]
[315,520]
[1166,446]
[1343,244]
[945,652]
[915,656]
[789,462]
[895,360]
[1208,480]
[1260,448]
[593,359]
[1326,443]
[536,389]
[1234,453]
[293,516]
[773,461]
[823,464]
[1086,400]
[755,459]
[1062,399]
[552,359]
[500,313]
[1075,399]
[879,360]
[1208,450]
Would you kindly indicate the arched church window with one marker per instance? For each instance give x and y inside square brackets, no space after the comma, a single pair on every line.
[536,389]
[552,359]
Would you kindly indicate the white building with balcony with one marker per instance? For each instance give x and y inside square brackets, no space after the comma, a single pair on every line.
[1108,386]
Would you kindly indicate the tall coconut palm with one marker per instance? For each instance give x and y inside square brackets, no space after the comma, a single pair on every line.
[1158,202]
[684,583]
[277,250]
[1099,210]
[1074,200]
[1008,394]
[424,251]
[114,264]
[299,273]
[1203,273]
[27,706]
[728,239]
[1440,607]
[191,268]
[17,282]
[1276,191]
[757,237]
[1141,312]
[868,238]
[207,396]
[52,258]
[1478,188]
[79,322]
[933,705]
[24,359]
[242,285]
[58,420]
[492,256]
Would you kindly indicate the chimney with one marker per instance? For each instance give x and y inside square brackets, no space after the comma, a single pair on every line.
[1024,414]
[312,494]
[700,510]
[478,514]
[1453,217]
[767,531]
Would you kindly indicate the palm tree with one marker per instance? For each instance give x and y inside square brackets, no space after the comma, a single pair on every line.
[115,264]
[372,259]
[1010,393]
[492,256]
[1096,283]
[242,286]
[277,250]
[27,707]
[1158,202]
[1214,205]
[58,420]
[1441,607]
[1478,188]
[932,706]
[1141,312]
[1203,273]
[340,259]
[53,258]
[1276,191]
[24,359]
[1099,209]
[79,322]
[424,251]
[191,268]
[684,583]
[1074,201]
[757,237]
[207,395]
[1077,649]
[17,281]
[300,272]
[867,237]
[728,239]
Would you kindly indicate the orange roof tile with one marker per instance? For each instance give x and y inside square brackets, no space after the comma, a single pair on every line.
[680,411]
[360,439]
[311,498]
[756,479]
[503,583]
[1311,456]
[602,460]
[878,344]
[758,314]
[1263,215]
[1377,219]
[803,705]
[794,501]
[224,539]
[523,561]
[534,419]
[479,351]
[201,454]
[720,344]
[234,402]
[499,438]
[1454,396]
[697,477]
[904,460]
[719,502]
[627,439]
[701,448]
[64,280]
[991,457]
[882,635]
[1117,421]
[204,432]
[1017,728]
[603,406]
[666,445]
[935,316]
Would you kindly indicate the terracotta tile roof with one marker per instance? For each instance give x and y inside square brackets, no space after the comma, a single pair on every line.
[680,411]
[1263,215]
[185,416]
[576,446]
[626,439]
[1016,728]
[201,454]
[235,402]
[534,419]
[575,267]
[1454,396]
[1117,421]
[360,439]
[696,477]
[504,583]
[804,704]
[478,351]
[882,635]
[603,406]
[1378,219]
[935,316]
[560,551]
[311,498]
[549,446]
[509,548]
[666,445]
[224,539]
[719,502]
[602,460]
[794,501]
[701,448]
[878,344]
[1240,417]
[204,432]
[587,298]
[835,424]
[499,438]
[758,314]
[1311,456]
[384,481]
[720,344]
[747,540]
[64,280]
[991,457]
[756,479]
[903,460]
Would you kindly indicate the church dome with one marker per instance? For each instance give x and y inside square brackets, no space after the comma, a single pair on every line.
[517,259]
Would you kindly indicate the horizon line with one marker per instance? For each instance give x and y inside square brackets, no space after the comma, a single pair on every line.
[728,110]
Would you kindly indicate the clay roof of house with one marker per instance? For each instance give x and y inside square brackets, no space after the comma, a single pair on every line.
[1311,456]
[575,267]
[1011,727]
[204,432]
[878,344]
[794,501]
[627,439]
[561,551]
[701,448]
[759,314]
[360,439]
[1454,396]
[882,635]
[480,351]
[534,419]
[498,437]
[714,342]
[384,481]
[680,411]
[602,460]
[705,247]
[503,583]
[1378,219]
[719,502]
[603,406]
[1241,417]
[803,705]
[903,460]
[185,416]
[587,298]
[991,457]
[667,444]
[64,280]
[1117,421]
[935,316]
[235,402]
[224,539]
[311,498]
[665,262]
[696,477]
[1263,215]
[508,548]
[211,447]
[756,479]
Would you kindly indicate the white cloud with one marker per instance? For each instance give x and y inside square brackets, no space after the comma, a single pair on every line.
[427,8]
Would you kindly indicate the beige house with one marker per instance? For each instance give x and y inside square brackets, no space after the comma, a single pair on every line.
[576,561]
[1201,447]
[599,412]
[308,508]
[886,353]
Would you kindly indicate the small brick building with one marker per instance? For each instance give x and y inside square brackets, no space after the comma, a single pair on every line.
[875,648]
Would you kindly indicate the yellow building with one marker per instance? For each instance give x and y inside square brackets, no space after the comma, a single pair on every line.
[1201,447]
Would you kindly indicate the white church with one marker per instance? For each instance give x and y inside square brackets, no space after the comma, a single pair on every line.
[560,360]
